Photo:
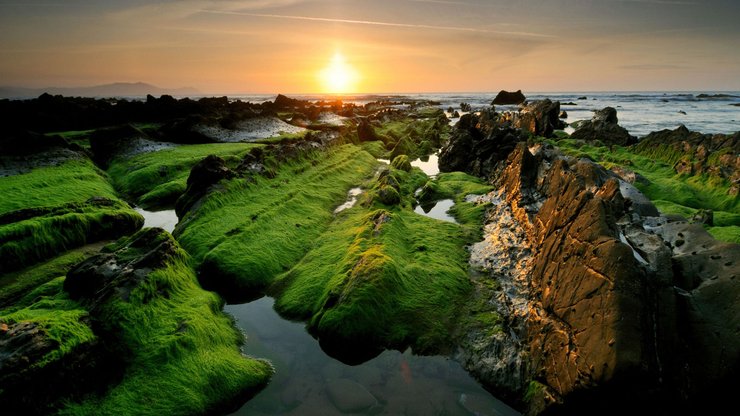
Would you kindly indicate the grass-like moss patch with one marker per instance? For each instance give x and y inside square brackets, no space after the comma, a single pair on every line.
[383,277]
[54,209]
[256,228]
[159,178]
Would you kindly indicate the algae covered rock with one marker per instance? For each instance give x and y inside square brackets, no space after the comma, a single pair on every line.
[401,162]
[604,128]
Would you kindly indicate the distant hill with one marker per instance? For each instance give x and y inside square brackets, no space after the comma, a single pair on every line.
[118,89]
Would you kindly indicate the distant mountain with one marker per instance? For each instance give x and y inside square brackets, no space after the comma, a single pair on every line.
[118,89]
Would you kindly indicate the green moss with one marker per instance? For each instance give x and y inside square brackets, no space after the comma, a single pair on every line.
[14,285]
[159,178]
[181,351]
[729,233]
[59,317]
[54,209]
[672,193]
[74,181]
[284,138]
[456,186]
[401,162]
[251,231]
[391,278]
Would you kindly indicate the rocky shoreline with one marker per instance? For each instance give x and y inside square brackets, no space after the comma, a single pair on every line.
[561,287]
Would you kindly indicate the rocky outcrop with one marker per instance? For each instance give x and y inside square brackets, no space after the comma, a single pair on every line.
[205,173]
[604,128]
[694,153]
[540,118]
[509,98]
[477,145]
[601,298]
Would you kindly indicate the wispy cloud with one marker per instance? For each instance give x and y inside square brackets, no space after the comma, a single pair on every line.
[378,23]
[672,2]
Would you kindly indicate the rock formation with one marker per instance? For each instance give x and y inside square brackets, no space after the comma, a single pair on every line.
[509,98]
[601,298]
[694,153]
[540,118]
[603,127]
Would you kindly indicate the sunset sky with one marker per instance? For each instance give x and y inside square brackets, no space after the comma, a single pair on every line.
[379,46]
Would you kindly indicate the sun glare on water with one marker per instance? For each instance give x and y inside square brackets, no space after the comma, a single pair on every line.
[338,77]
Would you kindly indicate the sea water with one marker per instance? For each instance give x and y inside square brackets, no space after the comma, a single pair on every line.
[639,112]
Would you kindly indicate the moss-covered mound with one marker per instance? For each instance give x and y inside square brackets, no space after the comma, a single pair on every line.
[129,331]
[53,209]
[252,228]
[159,178]
[379,278]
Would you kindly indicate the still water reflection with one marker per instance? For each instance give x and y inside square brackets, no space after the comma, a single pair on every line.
[308,382]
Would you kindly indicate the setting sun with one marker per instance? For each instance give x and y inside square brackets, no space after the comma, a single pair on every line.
[338,77]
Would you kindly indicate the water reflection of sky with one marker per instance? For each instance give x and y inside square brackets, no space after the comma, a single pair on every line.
[308,382]
[438,210]
[165,219]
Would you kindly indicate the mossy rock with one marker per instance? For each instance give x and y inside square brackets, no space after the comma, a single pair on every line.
[401,162]
[388,195]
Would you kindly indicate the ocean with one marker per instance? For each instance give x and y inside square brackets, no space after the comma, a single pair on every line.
[639,112]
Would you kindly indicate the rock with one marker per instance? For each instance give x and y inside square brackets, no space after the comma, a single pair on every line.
[509,98]
[617,300]
[21,345]
[348,396]
[704,217]
[465,107]
[681,112]
[476,147]
[283,102]
[456,114]
[603,127]
[563,114]
[583,98]
[203,175]
[388,195]
[694,153]
[401,162]
[366,132]
[540,118]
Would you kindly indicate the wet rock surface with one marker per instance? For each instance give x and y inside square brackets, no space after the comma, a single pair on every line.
[508,98]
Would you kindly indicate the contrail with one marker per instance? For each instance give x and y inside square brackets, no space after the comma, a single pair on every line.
[376,23]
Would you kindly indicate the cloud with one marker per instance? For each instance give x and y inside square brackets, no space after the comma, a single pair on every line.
[652,67]
[379,23]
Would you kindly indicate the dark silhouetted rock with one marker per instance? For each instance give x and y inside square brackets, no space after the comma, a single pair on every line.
[283,102]
[563,114]
[366,132]
[603,127]
[704,217]
[203,175]
[476,147]
[509,98]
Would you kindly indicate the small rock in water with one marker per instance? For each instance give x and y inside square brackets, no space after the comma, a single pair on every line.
[477,404]
[349,396]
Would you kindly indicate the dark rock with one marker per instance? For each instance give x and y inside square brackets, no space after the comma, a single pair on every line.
[16,142]
[681,112]
[203,175]
[401,162]
[456,114]
[603,127]
[465,107]
[704,217]
[283,102]
[509,98]
[583,98]
[108,142]
[476,147]
[388,195]
[540,118]
[563,114]
[366,132]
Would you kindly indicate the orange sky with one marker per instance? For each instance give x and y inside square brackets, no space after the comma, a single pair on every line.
[268,46]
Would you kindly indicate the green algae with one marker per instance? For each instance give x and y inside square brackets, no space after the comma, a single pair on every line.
[178,351]
[159,178]
[252,230]
[57,208]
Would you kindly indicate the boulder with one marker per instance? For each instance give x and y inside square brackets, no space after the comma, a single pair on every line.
[476,147]
[203,175]
[704,217]
[540,118]
[509,98]
[603,127]
[283,102]
[366,131]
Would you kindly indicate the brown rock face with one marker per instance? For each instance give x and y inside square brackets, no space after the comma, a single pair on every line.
[619,301]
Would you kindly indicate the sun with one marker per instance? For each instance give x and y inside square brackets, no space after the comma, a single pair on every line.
[338,77]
